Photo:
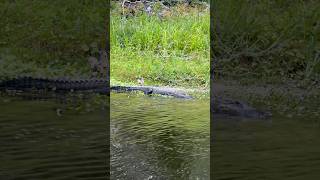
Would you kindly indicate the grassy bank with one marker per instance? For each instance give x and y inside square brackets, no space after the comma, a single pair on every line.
[173,50]
[48,38]
[268,53]
[42,38]
[270,41]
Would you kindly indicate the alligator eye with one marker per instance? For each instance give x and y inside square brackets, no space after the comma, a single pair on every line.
[148,92]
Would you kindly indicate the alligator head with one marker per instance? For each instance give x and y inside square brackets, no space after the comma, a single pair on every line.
[233,108]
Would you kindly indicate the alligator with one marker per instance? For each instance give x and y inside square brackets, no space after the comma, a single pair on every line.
[235,108]
[101,86]
[219,106]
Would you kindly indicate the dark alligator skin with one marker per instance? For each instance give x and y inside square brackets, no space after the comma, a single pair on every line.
[26,84]
[29,83]
[234,108]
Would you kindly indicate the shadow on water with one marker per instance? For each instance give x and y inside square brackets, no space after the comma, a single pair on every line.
[286,148]
[38,142]
[159,138]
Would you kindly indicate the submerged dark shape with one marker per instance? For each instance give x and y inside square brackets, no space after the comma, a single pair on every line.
[233,108]
[27,84]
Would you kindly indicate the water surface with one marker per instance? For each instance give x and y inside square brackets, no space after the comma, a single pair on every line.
[151,138]
[284,148]
[159,138]
[37,142]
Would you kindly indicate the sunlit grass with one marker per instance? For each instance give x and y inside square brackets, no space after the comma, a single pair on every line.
[170,51]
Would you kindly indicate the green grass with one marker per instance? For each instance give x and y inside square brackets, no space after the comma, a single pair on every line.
[173,51]
[47,38]
[266,40]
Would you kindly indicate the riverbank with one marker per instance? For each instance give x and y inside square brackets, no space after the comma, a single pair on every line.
[267,53]
[169,50]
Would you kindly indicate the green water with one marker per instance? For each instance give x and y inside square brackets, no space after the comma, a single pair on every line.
[159,138]
[284,148]
[151,138]
[37,143]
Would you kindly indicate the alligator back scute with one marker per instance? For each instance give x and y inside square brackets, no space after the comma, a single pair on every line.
[27,83]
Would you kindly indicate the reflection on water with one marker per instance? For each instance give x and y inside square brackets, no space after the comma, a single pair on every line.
[38,143]
[281,149]
[159,138]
